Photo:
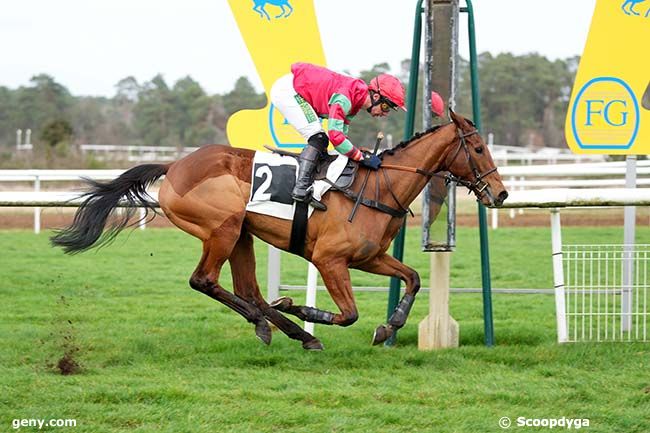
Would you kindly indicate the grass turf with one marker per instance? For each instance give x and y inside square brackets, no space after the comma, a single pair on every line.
[157,356]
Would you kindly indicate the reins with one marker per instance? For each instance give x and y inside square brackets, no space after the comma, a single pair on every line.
[477,186]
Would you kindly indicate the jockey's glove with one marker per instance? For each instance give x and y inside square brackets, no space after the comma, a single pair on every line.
[371,161]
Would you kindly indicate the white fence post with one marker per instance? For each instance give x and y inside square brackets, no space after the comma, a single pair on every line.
[273,273]
[312,279]
[37,210]
[558,276]
[629,234]
[143,223]
[513,181]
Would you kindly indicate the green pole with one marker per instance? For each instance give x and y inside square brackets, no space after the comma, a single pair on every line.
[482,214]
[411,96]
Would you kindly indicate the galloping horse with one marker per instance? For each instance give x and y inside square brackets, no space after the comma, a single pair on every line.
[260,8]
[205,194]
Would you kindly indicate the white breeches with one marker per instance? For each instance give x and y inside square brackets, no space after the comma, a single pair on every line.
[294,108]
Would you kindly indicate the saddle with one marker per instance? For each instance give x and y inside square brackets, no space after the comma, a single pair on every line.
[343,182]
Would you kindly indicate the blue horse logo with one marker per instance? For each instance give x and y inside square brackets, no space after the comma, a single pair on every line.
[631,4]
[260,4]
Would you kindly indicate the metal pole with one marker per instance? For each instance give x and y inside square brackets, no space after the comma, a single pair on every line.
[482,214]
[398,245]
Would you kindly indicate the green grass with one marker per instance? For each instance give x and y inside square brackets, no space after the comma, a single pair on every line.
[158,357]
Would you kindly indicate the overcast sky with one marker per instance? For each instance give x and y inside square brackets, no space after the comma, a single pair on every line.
[89,45]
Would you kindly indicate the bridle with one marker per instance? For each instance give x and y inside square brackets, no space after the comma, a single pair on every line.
[478,186]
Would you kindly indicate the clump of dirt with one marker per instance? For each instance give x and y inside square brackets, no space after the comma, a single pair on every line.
[68,365]
[64,339]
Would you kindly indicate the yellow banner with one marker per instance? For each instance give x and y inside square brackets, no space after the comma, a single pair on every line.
[609,110]
[277,33]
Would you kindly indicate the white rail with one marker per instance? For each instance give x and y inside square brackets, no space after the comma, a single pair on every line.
[566,197]
[56,175]
[601,169]
[136,153]
[51,199]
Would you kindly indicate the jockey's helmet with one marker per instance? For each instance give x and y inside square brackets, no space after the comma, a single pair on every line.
[389,88]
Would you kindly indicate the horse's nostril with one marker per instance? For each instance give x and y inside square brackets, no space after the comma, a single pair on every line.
[503,196]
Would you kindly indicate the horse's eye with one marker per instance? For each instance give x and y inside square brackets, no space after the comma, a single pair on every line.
[479,150]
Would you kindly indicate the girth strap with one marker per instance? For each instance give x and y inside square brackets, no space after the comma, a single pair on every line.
[376,205]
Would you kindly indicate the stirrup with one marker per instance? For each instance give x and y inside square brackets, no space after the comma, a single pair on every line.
[317,205]
[309,199]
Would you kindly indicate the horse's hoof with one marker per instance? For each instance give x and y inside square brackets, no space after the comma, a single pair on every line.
[263,331]
[382,333]
[314,344]
[282,304]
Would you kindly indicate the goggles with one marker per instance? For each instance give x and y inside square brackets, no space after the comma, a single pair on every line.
[385,104]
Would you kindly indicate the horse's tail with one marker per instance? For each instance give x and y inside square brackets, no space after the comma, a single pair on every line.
[99,202]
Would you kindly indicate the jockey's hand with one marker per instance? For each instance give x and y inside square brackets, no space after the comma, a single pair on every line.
[371,161]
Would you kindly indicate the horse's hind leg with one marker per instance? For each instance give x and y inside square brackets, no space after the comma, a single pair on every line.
[389,266]
[205,279]
[337,280]
[242,264]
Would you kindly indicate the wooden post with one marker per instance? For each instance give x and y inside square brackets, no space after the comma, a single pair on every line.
[438,330]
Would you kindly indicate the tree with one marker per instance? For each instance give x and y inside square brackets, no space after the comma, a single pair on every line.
[56,131]
[192,111]
[154,113]
[520,96]
[243,96]
[127,90]
[7,110]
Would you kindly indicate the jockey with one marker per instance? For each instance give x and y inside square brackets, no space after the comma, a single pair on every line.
[312,92]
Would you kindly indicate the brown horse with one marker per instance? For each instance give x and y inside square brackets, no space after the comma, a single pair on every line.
[205,194]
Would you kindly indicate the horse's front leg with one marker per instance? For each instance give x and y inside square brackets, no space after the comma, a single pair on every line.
[290,10]
[336,277]
[389,266]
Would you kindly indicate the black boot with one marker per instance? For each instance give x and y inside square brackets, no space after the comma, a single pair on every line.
[309,156]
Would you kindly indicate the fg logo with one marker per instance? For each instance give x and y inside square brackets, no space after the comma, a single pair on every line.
[605,115]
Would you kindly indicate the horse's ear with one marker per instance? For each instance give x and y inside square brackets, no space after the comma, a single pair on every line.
[455,117]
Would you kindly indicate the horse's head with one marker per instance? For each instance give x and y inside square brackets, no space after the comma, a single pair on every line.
[469,160]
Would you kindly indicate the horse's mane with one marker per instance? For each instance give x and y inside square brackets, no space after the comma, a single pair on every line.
[403,144]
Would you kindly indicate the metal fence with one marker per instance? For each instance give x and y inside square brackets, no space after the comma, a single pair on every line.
[606,293]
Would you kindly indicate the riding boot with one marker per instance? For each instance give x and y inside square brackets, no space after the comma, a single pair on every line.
[309,157]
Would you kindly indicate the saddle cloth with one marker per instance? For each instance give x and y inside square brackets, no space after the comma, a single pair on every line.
[274,177]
